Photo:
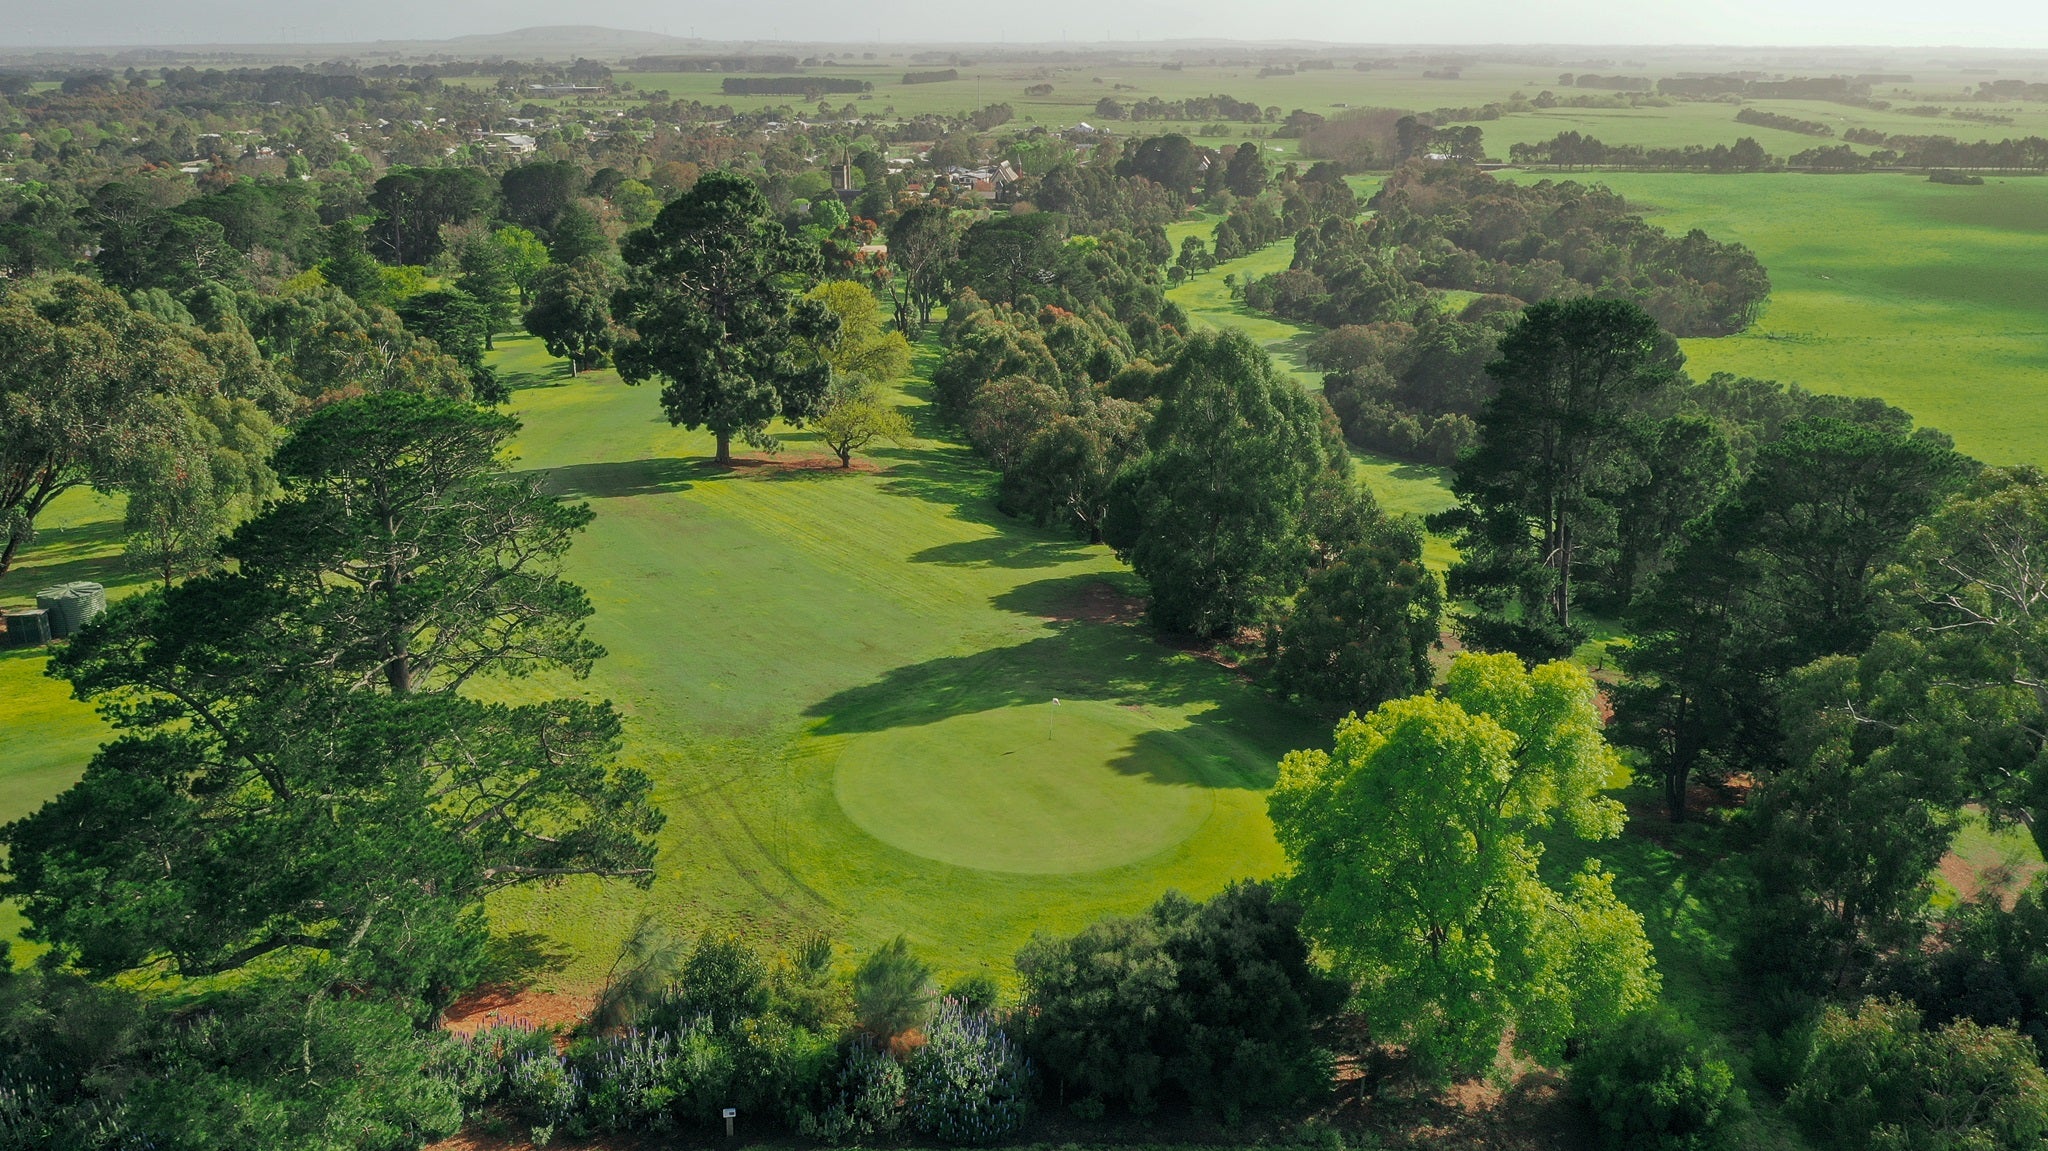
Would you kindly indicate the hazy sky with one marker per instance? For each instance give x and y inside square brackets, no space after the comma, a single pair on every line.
[1985,23]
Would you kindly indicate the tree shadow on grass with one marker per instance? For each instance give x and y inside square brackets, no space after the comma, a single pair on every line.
[91,551]
[555,375]
[1231,742]
[517,958]
[628,478]
[1004,550]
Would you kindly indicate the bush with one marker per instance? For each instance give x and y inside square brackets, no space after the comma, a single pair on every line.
[864,1097]
[631,1081]
[1213,1003]
[976,993]
[892,991]
[1657,1084]
[544,1090]
[969,1083]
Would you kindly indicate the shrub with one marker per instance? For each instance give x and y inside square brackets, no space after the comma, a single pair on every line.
[724,981]
[476,1064]
[1214,1002]
[892,991]
[863,1099]
[1658,1085]
[630,1081]
[969,1083]
[543,1090]
[976,993]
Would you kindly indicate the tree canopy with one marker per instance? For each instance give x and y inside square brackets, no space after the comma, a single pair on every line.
[1413,851]
[713,307]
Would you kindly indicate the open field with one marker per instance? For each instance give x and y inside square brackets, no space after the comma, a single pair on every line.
[1927,295]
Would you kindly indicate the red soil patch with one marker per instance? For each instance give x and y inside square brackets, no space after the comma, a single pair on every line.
[1099,602]
[769,467]
[484,1006]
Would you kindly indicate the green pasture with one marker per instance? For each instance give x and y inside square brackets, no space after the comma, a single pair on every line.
[1927,295]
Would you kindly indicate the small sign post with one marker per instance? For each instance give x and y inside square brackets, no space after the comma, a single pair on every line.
[1048,718]
[731,1113]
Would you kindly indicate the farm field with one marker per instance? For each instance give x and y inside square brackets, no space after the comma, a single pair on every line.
[1928,296]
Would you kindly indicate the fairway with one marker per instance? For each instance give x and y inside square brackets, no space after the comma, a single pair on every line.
[1044,788]
[822,671]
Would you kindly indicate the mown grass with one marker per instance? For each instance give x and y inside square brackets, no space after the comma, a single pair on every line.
[766,621]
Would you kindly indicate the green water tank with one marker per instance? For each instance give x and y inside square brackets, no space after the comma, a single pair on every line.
[71,605]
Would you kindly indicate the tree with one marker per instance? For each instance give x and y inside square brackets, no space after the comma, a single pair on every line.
[1413,853]
[1245,175]
[536,195]
[456,321]
[1847,835]
[299,768]
[862,348]
[572,313]
[713,308]
[187,490]
[893,991]
[855,415]
[1569,374]
[166,250]
[1657,1084]
[460,326]
[484,270]
[82,376]
[577,235]
[1012,259]
[350,267]
[1212,515]
[1359,633]
[1966,656]
[525,258]
[1875,1077]
[413,204]
[1781,573]
[922,242]
[1169,161]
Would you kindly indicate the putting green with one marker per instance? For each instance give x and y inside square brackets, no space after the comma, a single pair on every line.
[1035,789]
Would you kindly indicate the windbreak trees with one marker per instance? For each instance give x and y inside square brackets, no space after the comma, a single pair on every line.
[714,307]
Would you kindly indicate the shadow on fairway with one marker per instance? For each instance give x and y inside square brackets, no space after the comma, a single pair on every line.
[949,476]
[1008,550]
[628,478]
[1233,742]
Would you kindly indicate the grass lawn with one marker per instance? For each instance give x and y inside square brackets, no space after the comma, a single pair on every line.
[841,684]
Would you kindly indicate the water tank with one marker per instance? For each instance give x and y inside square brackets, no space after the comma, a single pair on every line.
[71,605]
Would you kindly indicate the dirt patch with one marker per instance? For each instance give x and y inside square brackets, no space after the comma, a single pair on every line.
[1098,602]
[770,467]
[484,1006]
